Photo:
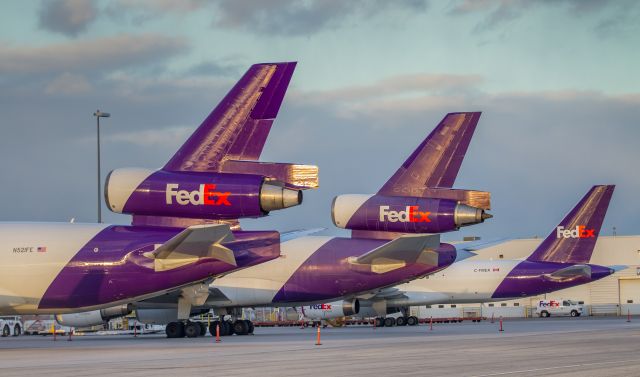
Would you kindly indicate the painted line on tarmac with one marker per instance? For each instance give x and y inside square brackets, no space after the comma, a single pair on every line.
[552,368]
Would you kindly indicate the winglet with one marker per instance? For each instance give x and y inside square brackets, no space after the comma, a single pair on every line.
[238,127]
[437,160]
[574,239]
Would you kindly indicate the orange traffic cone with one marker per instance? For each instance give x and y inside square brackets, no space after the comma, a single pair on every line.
[318,338]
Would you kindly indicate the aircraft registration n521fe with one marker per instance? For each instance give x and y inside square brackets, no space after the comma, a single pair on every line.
[560,261]
[183,215]
[313,269]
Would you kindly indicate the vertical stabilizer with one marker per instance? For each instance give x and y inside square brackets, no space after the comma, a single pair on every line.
[238,127]
[436,161]
[574,239]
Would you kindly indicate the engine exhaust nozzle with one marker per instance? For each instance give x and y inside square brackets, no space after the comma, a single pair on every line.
[273,196]
[465,215]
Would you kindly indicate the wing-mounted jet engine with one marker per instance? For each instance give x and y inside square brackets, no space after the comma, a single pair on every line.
[418,198]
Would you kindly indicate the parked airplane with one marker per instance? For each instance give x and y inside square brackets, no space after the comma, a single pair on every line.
[560,261]
[183,215]
[313,269]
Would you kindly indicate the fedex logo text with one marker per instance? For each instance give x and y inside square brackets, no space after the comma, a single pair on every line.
[410,215]
[579,232]
[205,195]
[321,307]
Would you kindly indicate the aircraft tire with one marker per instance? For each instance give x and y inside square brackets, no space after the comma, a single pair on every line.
[175,330]
[225,328]
[240,327]
[192,329]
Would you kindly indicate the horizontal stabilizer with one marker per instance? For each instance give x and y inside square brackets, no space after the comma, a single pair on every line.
[293,234]
[402,251]
[618,267]
[293,175]
[570,273]
[193,243]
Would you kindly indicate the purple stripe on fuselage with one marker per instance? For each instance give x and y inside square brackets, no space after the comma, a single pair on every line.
[111,267]
[532,278]
[327,274]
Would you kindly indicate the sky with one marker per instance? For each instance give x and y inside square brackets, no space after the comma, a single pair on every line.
[557,82]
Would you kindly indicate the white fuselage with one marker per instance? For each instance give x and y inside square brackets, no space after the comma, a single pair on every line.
[31,257]
[462,282]
[258,285]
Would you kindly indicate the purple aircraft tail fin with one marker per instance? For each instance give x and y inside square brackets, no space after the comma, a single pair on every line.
[436,161]
[238,127]
[573,240]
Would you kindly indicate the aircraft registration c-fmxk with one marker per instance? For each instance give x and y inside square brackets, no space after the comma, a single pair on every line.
[560,261]
[326,268]
[185,217]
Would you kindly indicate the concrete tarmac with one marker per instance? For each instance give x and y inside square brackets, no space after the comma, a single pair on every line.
[534,347]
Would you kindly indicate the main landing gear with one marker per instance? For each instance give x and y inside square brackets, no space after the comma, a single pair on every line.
[197,329]
[238,327]
[188,329]
[400,321]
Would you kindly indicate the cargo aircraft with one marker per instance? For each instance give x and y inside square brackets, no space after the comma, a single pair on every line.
[185,218]
[382,251]
[560,261]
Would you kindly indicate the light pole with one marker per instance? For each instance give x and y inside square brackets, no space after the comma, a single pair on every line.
[99,114]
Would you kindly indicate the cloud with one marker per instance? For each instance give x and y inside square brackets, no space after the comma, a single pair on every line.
[88,55]
[383,99]
[212,68]
[164,137]
[280,17]
[159,6]
[537,152]
[612,14]
[399,85]
[294,17]
[68,17]
[68,84]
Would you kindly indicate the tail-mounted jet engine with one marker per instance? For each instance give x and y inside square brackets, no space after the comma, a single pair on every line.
[405,214]
[200,195]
